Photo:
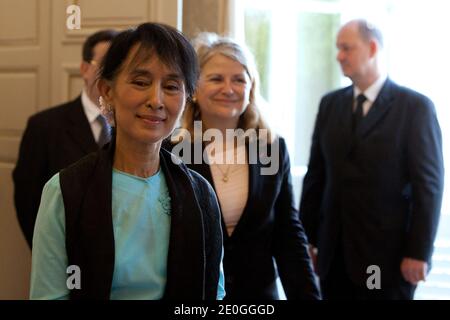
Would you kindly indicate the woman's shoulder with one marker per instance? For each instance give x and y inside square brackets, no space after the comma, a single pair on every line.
[206,197]
[54,181]
[277,145]
[280,140]
[52,188]
[83,169]
[202,189]
[199,180]
[51,201]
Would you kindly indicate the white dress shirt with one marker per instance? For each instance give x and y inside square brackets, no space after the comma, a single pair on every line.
[92,111]
[371,93]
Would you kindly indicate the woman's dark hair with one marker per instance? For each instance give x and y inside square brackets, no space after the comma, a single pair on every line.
[170,45]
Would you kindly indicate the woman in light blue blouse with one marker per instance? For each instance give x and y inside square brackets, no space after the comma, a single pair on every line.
[129,222]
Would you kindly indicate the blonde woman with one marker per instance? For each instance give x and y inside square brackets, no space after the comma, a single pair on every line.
[259,219]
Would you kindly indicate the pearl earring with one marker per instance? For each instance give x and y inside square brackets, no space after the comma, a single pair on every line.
[106,110]
[104,106]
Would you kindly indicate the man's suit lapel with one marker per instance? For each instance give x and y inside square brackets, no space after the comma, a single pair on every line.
[379,108]
[79,129]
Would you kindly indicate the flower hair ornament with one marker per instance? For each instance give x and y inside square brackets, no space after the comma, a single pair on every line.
[106,110]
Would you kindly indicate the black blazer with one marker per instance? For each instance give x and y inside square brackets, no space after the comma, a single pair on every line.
[53,139]
[378,191]
[268,229]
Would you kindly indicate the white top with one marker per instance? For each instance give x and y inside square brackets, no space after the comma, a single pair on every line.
[231,184]
[371,93]
[92,111]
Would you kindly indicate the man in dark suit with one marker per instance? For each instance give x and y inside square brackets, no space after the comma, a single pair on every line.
[372,195]
[57,137]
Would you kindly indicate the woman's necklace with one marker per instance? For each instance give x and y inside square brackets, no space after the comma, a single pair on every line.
[224,173]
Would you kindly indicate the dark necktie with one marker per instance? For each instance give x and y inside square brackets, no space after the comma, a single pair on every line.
[105,132]
[358,114]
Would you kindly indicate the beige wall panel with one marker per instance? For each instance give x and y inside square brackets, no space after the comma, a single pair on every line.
[15,259]
[18,22]
[24,89]
[9,149]
[75,86]
[73,81]
[114,11]
[19,98]
[167,11]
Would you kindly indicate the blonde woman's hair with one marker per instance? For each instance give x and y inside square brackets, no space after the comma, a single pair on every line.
[208,45]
